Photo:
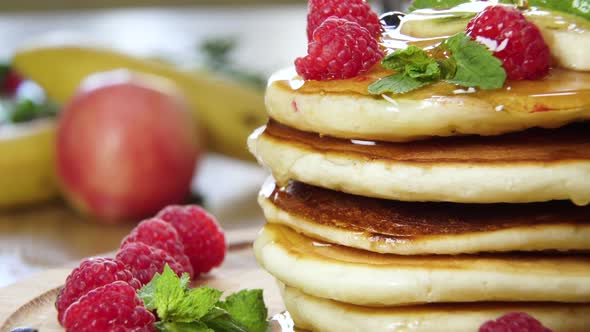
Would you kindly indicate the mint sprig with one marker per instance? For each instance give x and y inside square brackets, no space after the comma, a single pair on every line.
[415,69]
[470,64]
[184,309]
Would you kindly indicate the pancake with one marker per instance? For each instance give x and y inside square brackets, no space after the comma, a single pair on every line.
[320,315]
[532,166]
[343,108]
[413,228]
[371,279]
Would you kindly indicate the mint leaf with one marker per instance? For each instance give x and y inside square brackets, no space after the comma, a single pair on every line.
[168,294]
[448,67]
[185,280]
[146,293]
[430,72]
[196,303]
[248,309]
[182,327]
[174,301]
[398,83]
[399,59]
[221,321]
[414,62]
[476,65]
[415,69]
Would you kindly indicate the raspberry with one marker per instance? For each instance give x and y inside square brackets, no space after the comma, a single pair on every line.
[92,273]
[517,42]
[159,234]
[339,49]
[112,307]
[204,241]
[145,261]
[514,322]
[351,10]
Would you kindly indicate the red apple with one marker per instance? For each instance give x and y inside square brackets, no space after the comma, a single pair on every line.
[126,146]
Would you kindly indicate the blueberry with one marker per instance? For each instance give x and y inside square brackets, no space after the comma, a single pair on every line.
[24,329]
[391,20]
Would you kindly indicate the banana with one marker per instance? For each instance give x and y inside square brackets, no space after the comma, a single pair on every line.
[228,111]
[27,163]
[567,36]
[438,23]
[430,23]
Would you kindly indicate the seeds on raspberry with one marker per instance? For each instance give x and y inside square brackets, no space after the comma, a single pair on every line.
[112,307]
[514,321]
[339,49]
[144,261]
[91,274]
[204,240]
[357,11]
[159,234]
[514,40]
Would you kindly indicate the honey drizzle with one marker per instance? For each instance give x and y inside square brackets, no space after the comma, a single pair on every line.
[560,90]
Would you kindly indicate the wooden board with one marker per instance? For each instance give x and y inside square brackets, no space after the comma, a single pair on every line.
[31,302]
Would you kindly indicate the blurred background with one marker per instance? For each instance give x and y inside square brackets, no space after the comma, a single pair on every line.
[215,54]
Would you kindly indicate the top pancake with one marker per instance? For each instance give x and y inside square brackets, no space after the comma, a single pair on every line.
[344,108]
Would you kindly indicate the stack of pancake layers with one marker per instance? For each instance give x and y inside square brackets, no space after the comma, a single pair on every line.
[431,211]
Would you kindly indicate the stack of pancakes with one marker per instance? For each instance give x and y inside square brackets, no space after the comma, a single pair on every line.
[435,211]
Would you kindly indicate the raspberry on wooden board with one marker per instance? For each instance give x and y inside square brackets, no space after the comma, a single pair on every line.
[100,294]
[112,307]
[159,234]
[203,239]
[145,261]
[90,274]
